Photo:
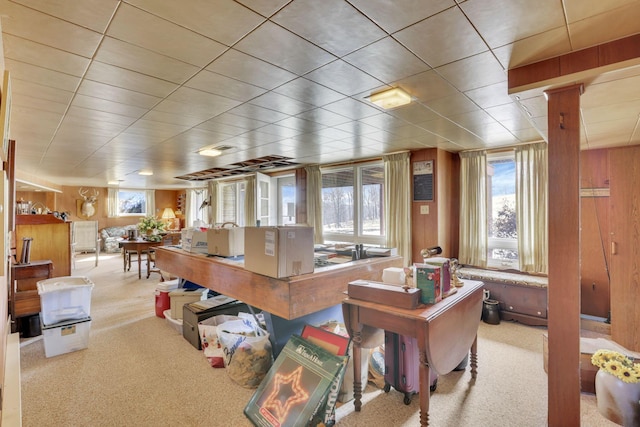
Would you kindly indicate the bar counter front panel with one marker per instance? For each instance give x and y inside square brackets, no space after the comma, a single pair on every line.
[289,297]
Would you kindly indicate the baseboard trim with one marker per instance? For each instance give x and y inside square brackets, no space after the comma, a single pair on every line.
[11,390]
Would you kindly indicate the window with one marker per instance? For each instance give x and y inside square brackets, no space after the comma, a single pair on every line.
[353,204]
[132,203]
[502,243]
[231,201]
[286,199]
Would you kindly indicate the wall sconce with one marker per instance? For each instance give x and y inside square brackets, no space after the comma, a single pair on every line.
[391,98]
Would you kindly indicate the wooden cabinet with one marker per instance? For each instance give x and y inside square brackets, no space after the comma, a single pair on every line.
[51,240]
[624,169]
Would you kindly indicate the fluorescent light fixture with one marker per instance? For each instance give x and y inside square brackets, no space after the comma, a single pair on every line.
[210,152]
[391,98]
[145,172]
[113,183]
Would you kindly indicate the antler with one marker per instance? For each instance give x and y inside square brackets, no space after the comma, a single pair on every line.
[83,194]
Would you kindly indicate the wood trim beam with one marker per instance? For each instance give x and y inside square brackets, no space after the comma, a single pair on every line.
[574,66]
[564,256]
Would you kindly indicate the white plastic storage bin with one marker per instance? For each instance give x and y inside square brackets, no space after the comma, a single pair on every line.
[182,296]
[176,324]
[66,337]
[65,298]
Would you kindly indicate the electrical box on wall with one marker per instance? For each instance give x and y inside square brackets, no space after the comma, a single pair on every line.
[424,210]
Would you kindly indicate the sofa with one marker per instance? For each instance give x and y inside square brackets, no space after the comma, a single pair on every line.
[111,235]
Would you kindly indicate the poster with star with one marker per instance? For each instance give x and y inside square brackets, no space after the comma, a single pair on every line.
[296,386]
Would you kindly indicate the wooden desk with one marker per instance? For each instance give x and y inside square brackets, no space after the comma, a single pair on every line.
[445,331]
[138,246]
[289,297]
[24,296]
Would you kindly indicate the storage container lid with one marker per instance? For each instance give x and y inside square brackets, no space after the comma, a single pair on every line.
[167,286]
[56,284]
[190,291]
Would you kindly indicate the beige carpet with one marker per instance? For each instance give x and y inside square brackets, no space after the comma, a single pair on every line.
[138,371]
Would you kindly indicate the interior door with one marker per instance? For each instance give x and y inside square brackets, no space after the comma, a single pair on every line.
[264,206]
[624,169]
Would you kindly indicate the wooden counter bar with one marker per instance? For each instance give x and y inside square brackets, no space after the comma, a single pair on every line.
[289,297]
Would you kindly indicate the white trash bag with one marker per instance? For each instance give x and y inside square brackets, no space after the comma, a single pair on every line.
[208,330]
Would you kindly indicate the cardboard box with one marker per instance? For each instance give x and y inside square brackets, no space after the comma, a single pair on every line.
[194,240]
[66,337]
[427,279]
[279,251]
[225,241]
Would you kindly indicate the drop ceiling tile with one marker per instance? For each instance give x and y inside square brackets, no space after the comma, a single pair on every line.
[238,121]
[280,47]
[351,108]
[207,102]
[39,104]
[541,46]
[181,109]
[281,103]
[47,30]
[36,90]
[308,91]
[473,72]
[264,7]
[135,58]
[357,128]
[126,79]
[619,91]
[302,125]
[145,30]
[324,117]
[518,20]
[427,86]
[490,96]
[259,113]
[94,14]
[222,20]
[240,66]
[100,104]
[116,94]
[23,50]
[343,28]
[383,121]
[591,31]
[452,105]
[344,78]
[176,119]
[604,113]
[505,112]
[222,128]
[397,64]
[451,37]
[23,71]
[96,118]
[278,132]
[414,113]
[393,16]
[224,86]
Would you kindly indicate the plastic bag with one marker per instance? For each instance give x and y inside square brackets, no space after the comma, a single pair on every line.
[247,351]
[208,330]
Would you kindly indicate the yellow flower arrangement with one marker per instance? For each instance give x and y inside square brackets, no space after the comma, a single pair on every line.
[617,364]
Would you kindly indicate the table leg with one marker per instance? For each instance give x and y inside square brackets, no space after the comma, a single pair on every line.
[139,264]
[425,385]
[124,259]
[357,371]
[474,358]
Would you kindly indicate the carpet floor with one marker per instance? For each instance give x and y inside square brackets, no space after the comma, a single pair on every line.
[139,371]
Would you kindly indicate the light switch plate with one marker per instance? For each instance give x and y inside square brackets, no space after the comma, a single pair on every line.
[424,210]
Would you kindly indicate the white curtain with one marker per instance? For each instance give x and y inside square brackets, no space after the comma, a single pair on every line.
[212,186]
[112,203]
[314,201]
[473,208]
[531,207]
[150,200]
[397,203]
[193,213]
[250,201]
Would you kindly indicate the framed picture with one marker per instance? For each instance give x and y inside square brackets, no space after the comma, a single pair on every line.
[333,343]
[5,113]
[423,181]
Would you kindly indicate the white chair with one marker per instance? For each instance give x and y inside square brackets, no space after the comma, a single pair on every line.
[85,238]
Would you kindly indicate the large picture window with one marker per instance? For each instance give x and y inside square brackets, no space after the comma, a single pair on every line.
[353,204]
[231,196]
[132,203]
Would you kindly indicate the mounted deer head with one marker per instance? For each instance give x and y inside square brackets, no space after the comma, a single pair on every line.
[88,206]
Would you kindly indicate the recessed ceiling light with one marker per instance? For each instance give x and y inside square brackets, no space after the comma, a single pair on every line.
[210,152]
[391,98]
[145,172]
